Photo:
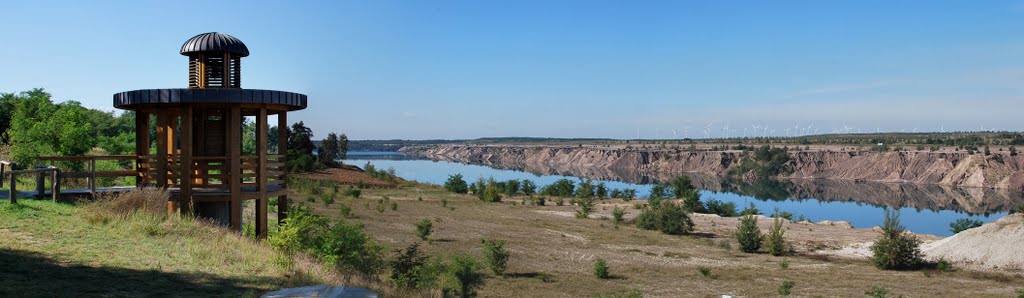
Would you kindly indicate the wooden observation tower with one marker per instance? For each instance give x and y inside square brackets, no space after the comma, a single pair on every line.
[198,136]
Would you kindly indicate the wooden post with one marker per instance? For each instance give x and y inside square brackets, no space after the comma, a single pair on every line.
[55,183]
[141,148]
[185,195]
[40,183]
[168,160]
[14,189]
[92,177]
[282,150]
[261,173]
[161,149]
[235,160]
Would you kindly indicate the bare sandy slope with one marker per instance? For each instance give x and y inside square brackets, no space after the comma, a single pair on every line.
[996,245]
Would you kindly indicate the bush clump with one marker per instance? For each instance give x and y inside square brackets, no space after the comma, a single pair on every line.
[667,218]
[786,288]
[456,184]
[353,192]
[748,235]
[424,228]
[496,255]
[964,224]
[723,209]
[601,269]
[776,243]
[343,245]
[617,214]
[896,249]
[586,206]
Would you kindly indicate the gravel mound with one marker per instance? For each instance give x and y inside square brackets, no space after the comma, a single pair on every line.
[995,245]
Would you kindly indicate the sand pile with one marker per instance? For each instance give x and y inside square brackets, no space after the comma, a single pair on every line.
[997,245]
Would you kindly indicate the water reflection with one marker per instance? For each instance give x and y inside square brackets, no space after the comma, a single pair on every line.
[917,196]
[926,208]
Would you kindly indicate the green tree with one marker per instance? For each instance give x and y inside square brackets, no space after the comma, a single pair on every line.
[342,147]
[776,241]
[328,152]
[528,187]
[748,235]
[456,184]
[896,249]
[496,255]
[300,149]
[424,228]
[38,127]
[601,269]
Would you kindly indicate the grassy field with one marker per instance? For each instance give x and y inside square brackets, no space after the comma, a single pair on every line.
[553,254]
[62,249]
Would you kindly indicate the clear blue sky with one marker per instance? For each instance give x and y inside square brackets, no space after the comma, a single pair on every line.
[467,69]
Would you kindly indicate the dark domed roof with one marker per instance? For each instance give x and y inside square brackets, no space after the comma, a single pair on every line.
[214,42]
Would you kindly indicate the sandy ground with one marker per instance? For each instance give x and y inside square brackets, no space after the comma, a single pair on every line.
[995,246]
[553,253]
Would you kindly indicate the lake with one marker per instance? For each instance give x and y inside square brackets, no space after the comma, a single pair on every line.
[927,209]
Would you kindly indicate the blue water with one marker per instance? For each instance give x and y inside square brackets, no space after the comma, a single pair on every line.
[860,215]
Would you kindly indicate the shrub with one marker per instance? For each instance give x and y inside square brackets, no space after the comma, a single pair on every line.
[394,206]
[346,211]
[963,224]
[895,249]
[1018,209]
[586,207]
[776,243]
[559,201]
[424,228]
[783,214]
[943,265]
[723,209]
[456,184]
[617,214]
[784,264]
[489,192]
[668,218]
[786,287]
[877,292]
[748,235]
[406,268]
[704,271]
[353,192]
[528,187]
[586,189]
[601,269]
[537,201]
[461,277]
[496,255]
[342,245]
[750,210]
[444,202]
[561,188]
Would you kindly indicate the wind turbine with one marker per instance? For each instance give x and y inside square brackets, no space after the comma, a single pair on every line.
[707,130]
[674,134]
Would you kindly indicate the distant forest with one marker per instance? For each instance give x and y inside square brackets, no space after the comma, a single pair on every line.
[394,145]
[962,139]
